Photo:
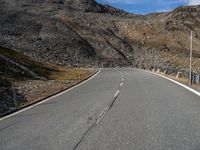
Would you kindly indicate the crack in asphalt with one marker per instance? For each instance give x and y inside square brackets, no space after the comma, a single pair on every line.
[101,115]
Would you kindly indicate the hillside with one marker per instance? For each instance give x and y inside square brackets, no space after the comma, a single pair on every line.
[17,66]
[168,33]
[55,31]
[24,80]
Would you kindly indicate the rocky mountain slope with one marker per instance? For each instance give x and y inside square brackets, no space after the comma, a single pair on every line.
[57,30]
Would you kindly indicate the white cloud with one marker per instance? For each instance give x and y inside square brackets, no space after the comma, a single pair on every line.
[191,2]
[194,2]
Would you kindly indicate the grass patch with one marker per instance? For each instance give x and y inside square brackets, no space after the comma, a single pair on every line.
[49,71]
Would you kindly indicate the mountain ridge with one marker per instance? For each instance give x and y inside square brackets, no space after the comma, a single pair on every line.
[56,30]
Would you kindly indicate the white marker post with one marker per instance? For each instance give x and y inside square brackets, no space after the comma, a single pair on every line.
[77,65]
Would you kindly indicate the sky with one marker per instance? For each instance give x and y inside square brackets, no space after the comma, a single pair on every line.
[148,6]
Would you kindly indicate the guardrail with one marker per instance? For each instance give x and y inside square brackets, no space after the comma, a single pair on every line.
[178,73]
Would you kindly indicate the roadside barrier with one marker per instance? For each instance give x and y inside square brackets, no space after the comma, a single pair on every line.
[178,73]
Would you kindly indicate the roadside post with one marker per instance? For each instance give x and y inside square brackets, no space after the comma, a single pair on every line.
[190,76]
[198,79]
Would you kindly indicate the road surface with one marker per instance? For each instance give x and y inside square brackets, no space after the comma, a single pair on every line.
[119,109]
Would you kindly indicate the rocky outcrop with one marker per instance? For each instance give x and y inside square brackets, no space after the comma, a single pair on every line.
[9,96]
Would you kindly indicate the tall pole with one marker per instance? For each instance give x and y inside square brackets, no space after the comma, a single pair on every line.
[77,65]
[191,59]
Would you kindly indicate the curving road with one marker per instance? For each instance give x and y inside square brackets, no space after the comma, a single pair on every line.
[119,109]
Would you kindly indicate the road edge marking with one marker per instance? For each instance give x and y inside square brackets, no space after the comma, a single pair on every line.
[50,98]
[174,81]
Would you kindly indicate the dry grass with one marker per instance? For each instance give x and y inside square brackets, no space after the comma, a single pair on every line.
[49,71]
[71,74]
[182,80]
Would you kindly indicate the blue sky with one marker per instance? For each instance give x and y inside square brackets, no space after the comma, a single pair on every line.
[148,6]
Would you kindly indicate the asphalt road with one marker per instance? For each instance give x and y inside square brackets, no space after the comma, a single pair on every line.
[119,109]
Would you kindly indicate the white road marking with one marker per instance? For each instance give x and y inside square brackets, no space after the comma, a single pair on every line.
[101,117]
[117,93]
[105,110]
[121,84]
[186,87]
[29,107]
